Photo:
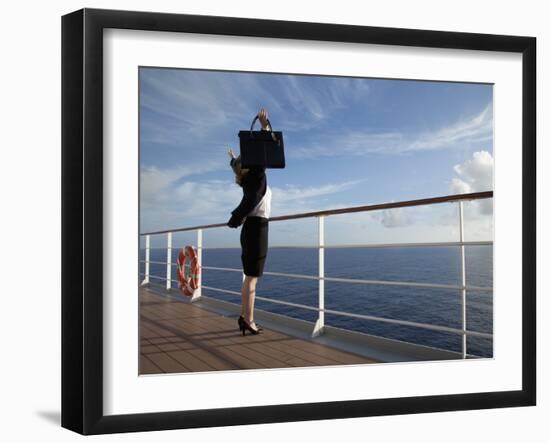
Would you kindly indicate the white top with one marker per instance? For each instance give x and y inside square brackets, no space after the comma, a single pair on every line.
[263,208]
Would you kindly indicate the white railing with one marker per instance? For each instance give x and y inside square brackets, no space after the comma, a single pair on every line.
[322,278]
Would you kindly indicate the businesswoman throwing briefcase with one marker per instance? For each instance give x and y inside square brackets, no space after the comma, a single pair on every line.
[252,213]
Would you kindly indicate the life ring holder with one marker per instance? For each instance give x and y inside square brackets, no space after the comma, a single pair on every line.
[188,282]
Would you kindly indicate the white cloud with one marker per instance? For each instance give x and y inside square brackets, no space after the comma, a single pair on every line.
[440,222]
[154,181]
[315,101]
[475,175]
[467,131]
[295,199]
[207,199]
[162,203]
[292,193]
[459,186]
[393,218]
[477,172]
[168,201]
[180,96]
[201,104]
[478,128]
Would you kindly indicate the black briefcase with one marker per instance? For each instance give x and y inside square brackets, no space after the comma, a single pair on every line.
[262,148]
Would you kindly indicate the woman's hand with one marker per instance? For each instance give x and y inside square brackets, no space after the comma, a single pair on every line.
[233,222]
[262,115]
[231,154]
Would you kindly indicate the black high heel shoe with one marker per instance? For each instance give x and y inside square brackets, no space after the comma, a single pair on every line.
[242,327]
[245,326]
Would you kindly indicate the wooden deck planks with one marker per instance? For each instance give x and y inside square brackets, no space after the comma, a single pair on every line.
[166,363]
[181,337]
[147,366]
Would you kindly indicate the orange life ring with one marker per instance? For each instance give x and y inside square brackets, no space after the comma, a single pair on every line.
[188,281]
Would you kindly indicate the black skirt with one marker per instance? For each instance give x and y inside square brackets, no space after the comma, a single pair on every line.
[254,245]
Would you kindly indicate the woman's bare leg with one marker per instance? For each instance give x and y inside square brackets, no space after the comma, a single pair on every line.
[248,294]
[244,297]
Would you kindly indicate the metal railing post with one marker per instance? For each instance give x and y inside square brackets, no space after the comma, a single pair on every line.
[168,260]
[147,259]
[463,276]
[320,323]
[198,292]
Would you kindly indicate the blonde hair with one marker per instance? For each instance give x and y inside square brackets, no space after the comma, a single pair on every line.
[238,170]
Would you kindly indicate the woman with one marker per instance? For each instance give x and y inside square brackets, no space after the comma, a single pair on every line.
[254,211]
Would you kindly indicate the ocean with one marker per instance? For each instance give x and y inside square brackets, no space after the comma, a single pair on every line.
[408,264]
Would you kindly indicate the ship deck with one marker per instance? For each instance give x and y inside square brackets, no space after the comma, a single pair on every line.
[179,336]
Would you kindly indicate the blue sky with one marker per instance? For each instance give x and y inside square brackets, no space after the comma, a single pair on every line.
[348,141]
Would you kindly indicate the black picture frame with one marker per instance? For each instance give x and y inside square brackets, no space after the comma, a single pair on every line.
[82,218]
